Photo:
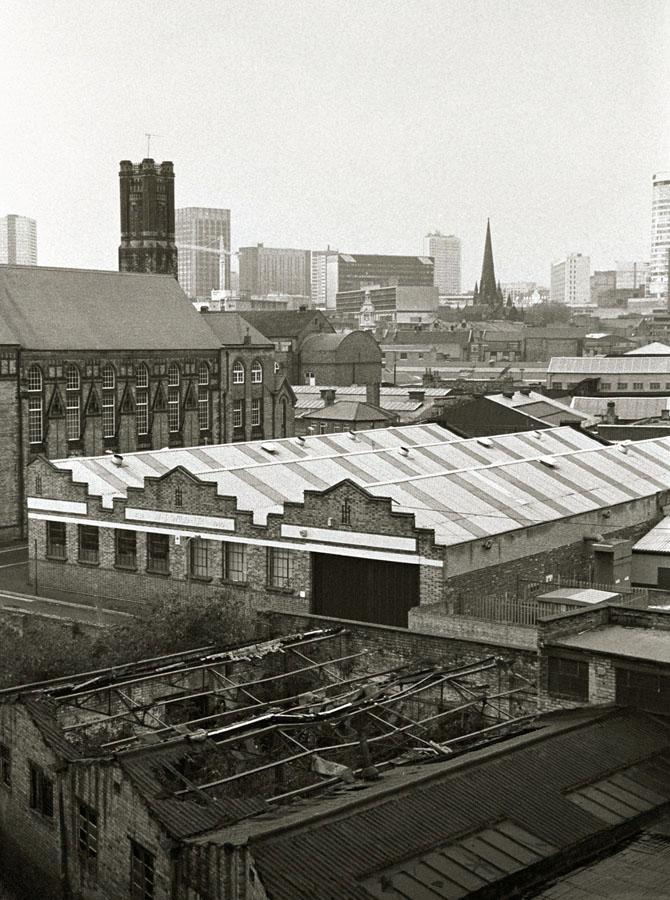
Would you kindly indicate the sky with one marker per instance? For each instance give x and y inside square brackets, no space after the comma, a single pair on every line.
[359,125]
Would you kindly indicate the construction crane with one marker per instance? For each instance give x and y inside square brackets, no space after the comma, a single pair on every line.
[208,248]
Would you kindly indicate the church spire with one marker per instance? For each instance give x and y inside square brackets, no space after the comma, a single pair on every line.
[488,292]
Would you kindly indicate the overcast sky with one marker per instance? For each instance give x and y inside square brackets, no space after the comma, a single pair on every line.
[361,124]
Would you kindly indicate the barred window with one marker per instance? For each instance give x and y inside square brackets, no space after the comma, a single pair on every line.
[203,407]
[142,411]
[108,414]
[108,378]
[173,408]
[89,543]
[142,872]
[280,567]
[34,378]
[256,372]
[88,832]
[173,375]
[158,553]
[203,373]
[199,558]
[142,376]
[56,540]
[238,414]
[126,548]
[5,765]
[234,561]
[72,417]
[41,791]
[35,424]
[72,379]
[255,412]
[238,373]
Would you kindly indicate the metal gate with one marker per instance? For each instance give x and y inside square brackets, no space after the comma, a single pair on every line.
[365,590]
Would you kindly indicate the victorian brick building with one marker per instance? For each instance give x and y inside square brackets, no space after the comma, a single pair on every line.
[94,362]
[147,218]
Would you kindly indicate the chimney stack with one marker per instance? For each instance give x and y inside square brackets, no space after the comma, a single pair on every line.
[610,415]
[417,395]
[328,396]
[372,394]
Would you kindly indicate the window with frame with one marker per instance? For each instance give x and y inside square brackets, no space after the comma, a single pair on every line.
[568,677]
[89,544]
[41,791]
[126,548]
[280,567]
[5,765]
[238,414]
[638,385]
[72,417]
[142,872]
[322,427]
[158,553]
[654,385]
[256,373]
[35,423]
[174,375]
[142,376]
[87,820]
[234,561]
[108,414]
[198,558]
[173,409]
[72,378]
[256,412]
[142,411]
[238,373]
[643,687]
[557,384]
[622,385]
[605,386]
[56,540]
[108,378]
[310,378]
[35,382]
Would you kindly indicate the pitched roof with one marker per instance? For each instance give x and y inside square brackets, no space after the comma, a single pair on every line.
[82,309]
[461,489]
[231,329]
[657,540]
[349,411]
[629,409]
[605,365]
[656,348]
[451,828]
[426,338]
[286,323]
[537,406]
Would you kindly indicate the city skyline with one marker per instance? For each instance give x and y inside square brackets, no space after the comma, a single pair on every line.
[435,116]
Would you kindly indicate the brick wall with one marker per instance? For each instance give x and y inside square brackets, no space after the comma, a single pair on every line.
[11,501]
[436,620]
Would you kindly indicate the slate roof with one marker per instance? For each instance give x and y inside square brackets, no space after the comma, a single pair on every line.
[537,406]
[657,540]
[461,489]
[231,328]
[349,411]
[648,644]
[81,309]
[444,829]
[285,323]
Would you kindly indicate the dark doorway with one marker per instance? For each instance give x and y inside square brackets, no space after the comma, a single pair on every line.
[366,590]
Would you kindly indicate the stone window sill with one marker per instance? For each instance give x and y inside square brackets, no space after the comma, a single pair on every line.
[279,590]
[200,579]
[58,559]
[233,583]
[123,568]
[159,574]
[89,565]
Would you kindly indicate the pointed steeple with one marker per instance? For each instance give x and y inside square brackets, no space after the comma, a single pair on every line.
[488,292]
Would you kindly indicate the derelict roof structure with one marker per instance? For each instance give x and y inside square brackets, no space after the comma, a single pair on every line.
[461,489]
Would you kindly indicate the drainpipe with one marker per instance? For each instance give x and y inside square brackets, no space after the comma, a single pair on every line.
[21,499]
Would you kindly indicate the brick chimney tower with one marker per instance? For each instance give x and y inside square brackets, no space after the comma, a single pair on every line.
[147,218]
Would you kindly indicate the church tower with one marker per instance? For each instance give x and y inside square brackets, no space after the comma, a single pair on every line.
[489,291]
[147,218]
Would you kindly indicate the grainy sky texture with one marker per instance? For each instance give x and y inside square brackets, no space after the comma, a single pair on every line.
[356,123]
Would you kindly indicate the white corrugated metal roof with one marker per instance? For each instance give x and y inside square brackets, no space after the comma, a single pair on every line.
[626,408]
[657,540]
[655,348]
[538,406]
[605,365]
[461,488]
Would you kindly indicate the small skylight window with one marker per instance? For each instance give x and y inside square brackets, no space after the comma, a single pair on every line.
[549,462]
[485,442]
[269,448]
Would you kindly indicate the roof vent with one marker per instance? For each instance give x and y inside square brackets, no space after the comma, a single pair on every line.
[537,434]
[549,462]
[352,435]
[485,442]
[403,451]
[624,445]
[300,440]
[269,448]
[117,459]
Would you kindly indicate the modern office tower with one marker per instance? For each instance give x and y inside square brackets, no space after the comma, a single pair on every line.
[18,240]
[445,250]
[571,280]
[353,272]
[324,278]
[270,270]
[488,291]
[203,244]
[147,218]
[660,237]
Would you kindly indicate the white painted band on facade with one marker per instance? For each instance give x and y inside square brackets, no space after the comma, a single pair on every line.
[359,538]
[170,518]
[356,552]
[64,506]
